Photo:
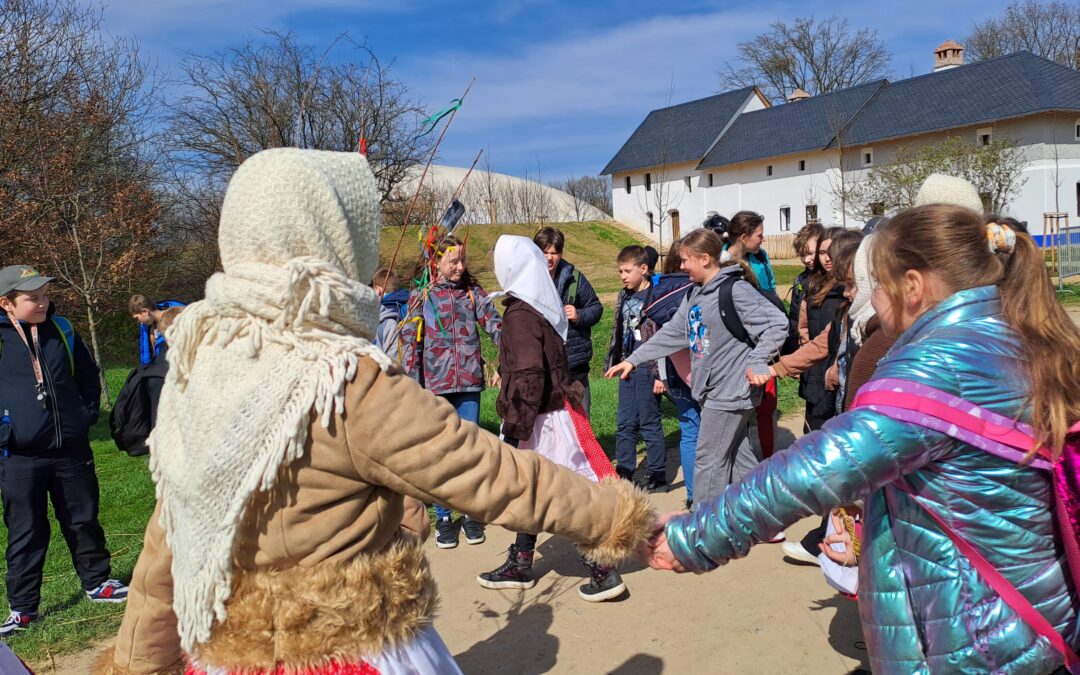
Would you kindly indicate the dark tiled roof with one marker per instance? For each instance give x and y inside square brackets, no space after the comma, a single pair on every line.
[1010,86]
[680,133]
[793,127]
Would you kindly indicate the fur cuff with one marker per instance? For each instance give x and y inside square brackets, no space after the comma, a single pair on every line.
[105,664]
[631,528]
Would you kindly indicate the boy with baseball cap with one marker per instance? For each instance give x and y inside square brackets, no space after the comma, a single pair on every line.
[49,399]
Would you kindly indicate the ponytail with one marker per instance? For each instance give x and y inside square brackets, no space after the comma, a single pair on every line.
[1051,340]
[933,238]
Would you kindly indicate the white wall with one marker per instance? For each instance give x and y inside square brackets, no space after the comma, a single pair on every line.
[748,186]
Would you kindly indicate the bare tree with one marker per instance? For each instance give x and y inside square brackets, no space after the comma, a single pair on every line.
[280,93]
[77,189]
[996,170]
[594,191]
[815,56]
[1050,29]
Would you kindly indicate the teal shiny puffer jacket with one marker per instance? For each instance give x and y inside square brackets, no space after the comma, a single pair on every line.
[924,608]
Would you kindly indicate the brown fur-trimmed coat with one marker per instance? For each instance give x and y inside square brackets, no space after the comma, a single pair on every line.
[322,565]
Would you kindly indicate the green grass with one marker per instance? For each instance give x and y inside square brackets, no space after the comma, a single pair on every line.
[1069,295]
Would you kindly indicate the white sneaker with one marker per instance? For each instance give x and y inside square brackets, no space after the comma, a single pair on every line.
[796,551]
[777,539]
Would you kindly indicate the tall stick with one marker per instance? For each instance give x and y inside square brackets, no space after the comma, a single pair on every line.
[420,185]
[461,185]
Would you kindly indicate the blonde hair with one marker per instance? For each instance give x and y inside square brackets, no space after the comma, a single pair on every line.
[932,238]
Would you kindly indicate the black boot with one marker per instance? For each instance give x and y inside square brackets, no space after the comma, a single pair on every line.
[656,482]
[624,474]
[516,572]
[604,583]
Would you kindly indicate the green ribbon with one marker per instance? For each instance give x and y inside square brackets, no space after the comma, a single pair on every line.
[430,123]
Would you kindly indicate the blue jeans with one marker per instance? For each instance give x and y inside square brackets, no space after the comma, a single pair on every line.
[639,411]
[467,405]
[688,413]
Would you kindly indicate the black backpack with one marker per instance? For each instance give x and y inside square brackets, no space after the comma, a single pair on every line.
[728,314]
[132,417]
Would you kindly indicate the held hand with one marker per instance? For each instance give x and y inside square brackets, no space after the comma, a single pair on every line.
[571,313]
[658,387]
[756,380]
[620,370]
[845,557]
[496,380]
[662,558]
[832,378]
[772,372]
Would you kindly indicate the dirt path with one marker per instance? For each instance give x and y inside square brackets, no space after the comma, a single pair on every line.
[757,615]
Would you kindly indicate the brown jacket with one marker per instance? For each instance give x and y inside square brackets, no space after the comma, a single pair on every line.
[322,566]
[532,363]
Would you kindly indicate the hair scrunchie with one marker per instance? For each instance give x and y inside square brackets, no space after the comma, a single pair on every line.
[1002,238]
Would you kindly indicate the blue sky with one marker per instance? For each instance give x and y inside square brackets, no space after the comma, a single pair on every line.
[560,83]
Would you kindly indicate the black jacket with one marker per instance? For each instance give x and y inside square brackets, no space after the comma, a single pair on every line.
[73,400]
[818,318]
[579,347]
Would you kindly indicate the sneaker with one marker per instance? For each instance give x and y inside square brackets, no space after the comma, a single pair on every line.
[777,539]
[109,591]
[656,482]
[17,621]
[474,531]
[604,584]
[446,535]
[516,572]
[797,552]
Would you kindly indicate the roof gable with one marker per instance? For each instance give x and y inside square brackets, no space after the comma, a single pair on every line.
[1010,86]
[679,133]
[799,126]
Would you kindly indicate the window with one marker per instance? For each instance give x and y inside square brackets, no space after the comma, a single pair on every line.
[1077,130]
[811,213]
[867,156]
[877,209]
[650,216]
[689,187]
[785,218]
[628,185]
[648,182]
[1077,134]
[768,170]
[802,165]
[985,136]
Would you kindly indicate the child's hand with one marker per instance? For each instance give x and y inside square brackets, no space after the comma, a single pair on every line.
[496,380]
[620,370]
[658,387]
[757,380]
[571,312]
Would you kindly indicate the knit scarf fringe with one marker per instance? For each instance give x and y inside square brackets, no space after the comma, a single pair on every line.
[296,352]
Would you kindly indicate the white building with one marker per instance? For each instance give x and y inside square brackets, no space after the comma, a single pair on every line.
[733,151]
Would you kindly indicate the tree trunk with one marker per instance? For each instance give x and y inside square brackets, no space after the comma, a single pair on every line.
[91,322]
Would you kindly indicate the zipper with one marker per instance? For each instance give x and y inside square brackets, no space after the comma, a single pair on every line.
[50,386]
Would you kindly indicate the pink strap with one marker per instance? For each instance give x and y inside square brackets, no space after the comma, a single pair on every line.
[1010,436]
[1004,588]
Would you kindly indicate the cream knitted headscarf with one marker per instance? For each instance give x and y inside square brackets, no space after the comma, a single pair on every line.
[861,310]
[278,336]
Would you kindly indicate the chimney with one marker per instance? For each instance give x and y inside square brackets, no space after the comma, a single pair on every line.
[798,95]
[948,54]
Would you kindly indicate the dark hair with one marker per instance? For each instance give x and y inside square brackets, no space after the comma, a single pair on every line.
[933,238]
[138,303]
[632,254]
[652,257]
[549,236]
[842,251]
[717,223]
[812,230]
[821,283]
[673,261]
[743,222]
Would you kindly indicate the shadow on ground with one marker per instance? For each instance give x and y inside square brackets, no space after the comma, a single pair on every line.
[845,630]
[524,645]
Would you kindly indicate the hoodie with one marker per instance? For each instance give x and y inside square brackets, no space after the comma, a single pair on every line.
[391,309]
[719,361]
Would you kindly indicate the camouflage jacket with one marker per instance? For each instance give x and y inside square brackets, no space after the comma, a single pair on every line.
[442,351]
